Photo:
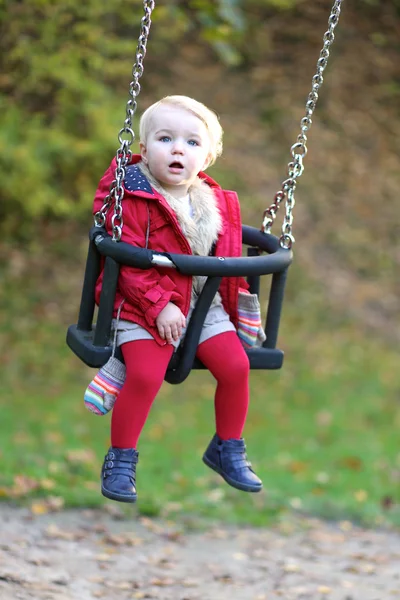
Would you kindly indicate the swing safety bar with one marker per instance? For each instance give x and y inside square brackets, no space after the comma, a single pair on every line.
[91,343]
[220,266]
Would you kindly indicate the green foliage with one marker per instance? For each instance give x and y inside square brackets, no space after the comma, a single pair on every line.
[63,85]
[64,78]
[59,100]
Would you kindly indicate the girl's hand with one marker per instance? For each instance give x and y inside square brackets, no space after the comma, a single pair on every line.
[170,322]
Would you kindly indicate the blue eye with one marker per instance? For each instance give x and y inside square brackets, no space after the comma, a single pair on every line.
[193,143]
[165,138]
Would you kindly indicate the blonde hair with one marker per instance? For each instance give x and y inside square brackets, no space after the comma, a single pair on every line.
[205,114]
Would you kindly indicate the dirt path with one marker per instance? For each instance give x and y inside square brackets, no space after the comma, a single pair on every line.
[83,555]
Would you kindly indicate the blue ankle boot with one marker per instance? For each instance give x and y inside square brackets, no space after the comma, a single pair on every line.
[118,474]
[228,458]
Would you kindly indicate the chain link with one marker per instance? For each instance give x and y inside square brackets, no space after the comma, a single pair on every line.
[299,149]
[126,136]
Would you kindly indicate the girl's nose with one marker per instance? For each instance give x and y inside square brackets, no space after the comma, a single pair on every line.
[177,147]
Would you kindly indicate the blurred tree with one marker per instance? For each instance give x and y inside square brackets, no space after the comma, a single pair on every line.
[64,71]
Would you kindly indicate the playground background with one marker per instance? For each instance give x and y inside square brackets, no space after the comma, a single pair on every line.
[323,432]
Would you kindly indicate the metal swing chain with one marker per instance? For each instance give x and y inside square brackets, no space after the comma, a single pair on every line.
[299,149]
[124,153]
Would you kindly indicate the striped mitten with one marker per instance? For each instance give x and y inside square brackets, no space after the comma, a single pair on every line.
[102,391]
[249,329]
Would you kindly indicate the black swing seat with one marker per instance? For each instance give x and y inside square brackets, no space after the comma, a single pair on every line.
[91,343]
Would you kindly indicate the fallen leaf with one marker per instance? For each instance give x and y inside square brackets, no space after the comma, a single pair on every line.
[297,466]
[162,582]
[291,568]
[224,578]
[354,463]
[39,508]
[318,491]
[103,557]
[369,569]
[151,525]
[122,539]
[55,502]
[47,484]
[240,556]
[23,485]
[324,589]
[123,585]
[360,495]
[50,504]
[54,532]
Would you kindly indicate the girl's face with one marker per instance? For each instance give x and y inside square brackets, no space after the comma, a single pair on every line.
[176,149]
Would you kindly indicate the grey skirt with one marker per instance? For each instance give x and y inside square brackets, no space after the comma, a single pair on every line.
[217,321]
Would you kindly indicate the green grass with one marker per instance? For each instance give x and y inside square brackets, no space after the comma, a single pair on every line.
[322,433]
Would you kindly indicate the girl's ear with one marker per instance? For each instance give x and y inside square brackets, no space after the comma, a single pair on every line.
[207,162]
[143,152]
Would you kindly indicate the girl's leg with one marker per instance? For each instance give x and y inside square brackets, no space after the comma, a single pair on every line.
[146,363]
[225,358]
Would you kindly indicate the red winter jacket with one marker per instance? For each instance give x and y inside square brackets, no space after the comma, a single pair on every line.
[147,292]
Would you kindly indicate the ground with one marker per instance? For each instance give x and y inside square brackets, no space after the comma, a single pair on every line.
[88,554]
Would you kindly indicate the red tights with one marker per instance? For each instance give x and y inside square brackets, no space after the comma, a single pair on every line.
[146,363]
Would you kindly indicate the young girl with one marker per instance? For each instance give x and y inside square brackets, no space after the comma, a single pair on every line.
[171,205]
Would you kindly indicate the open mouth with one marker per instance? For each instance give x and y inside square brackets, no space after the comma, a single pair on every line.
[176,165]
